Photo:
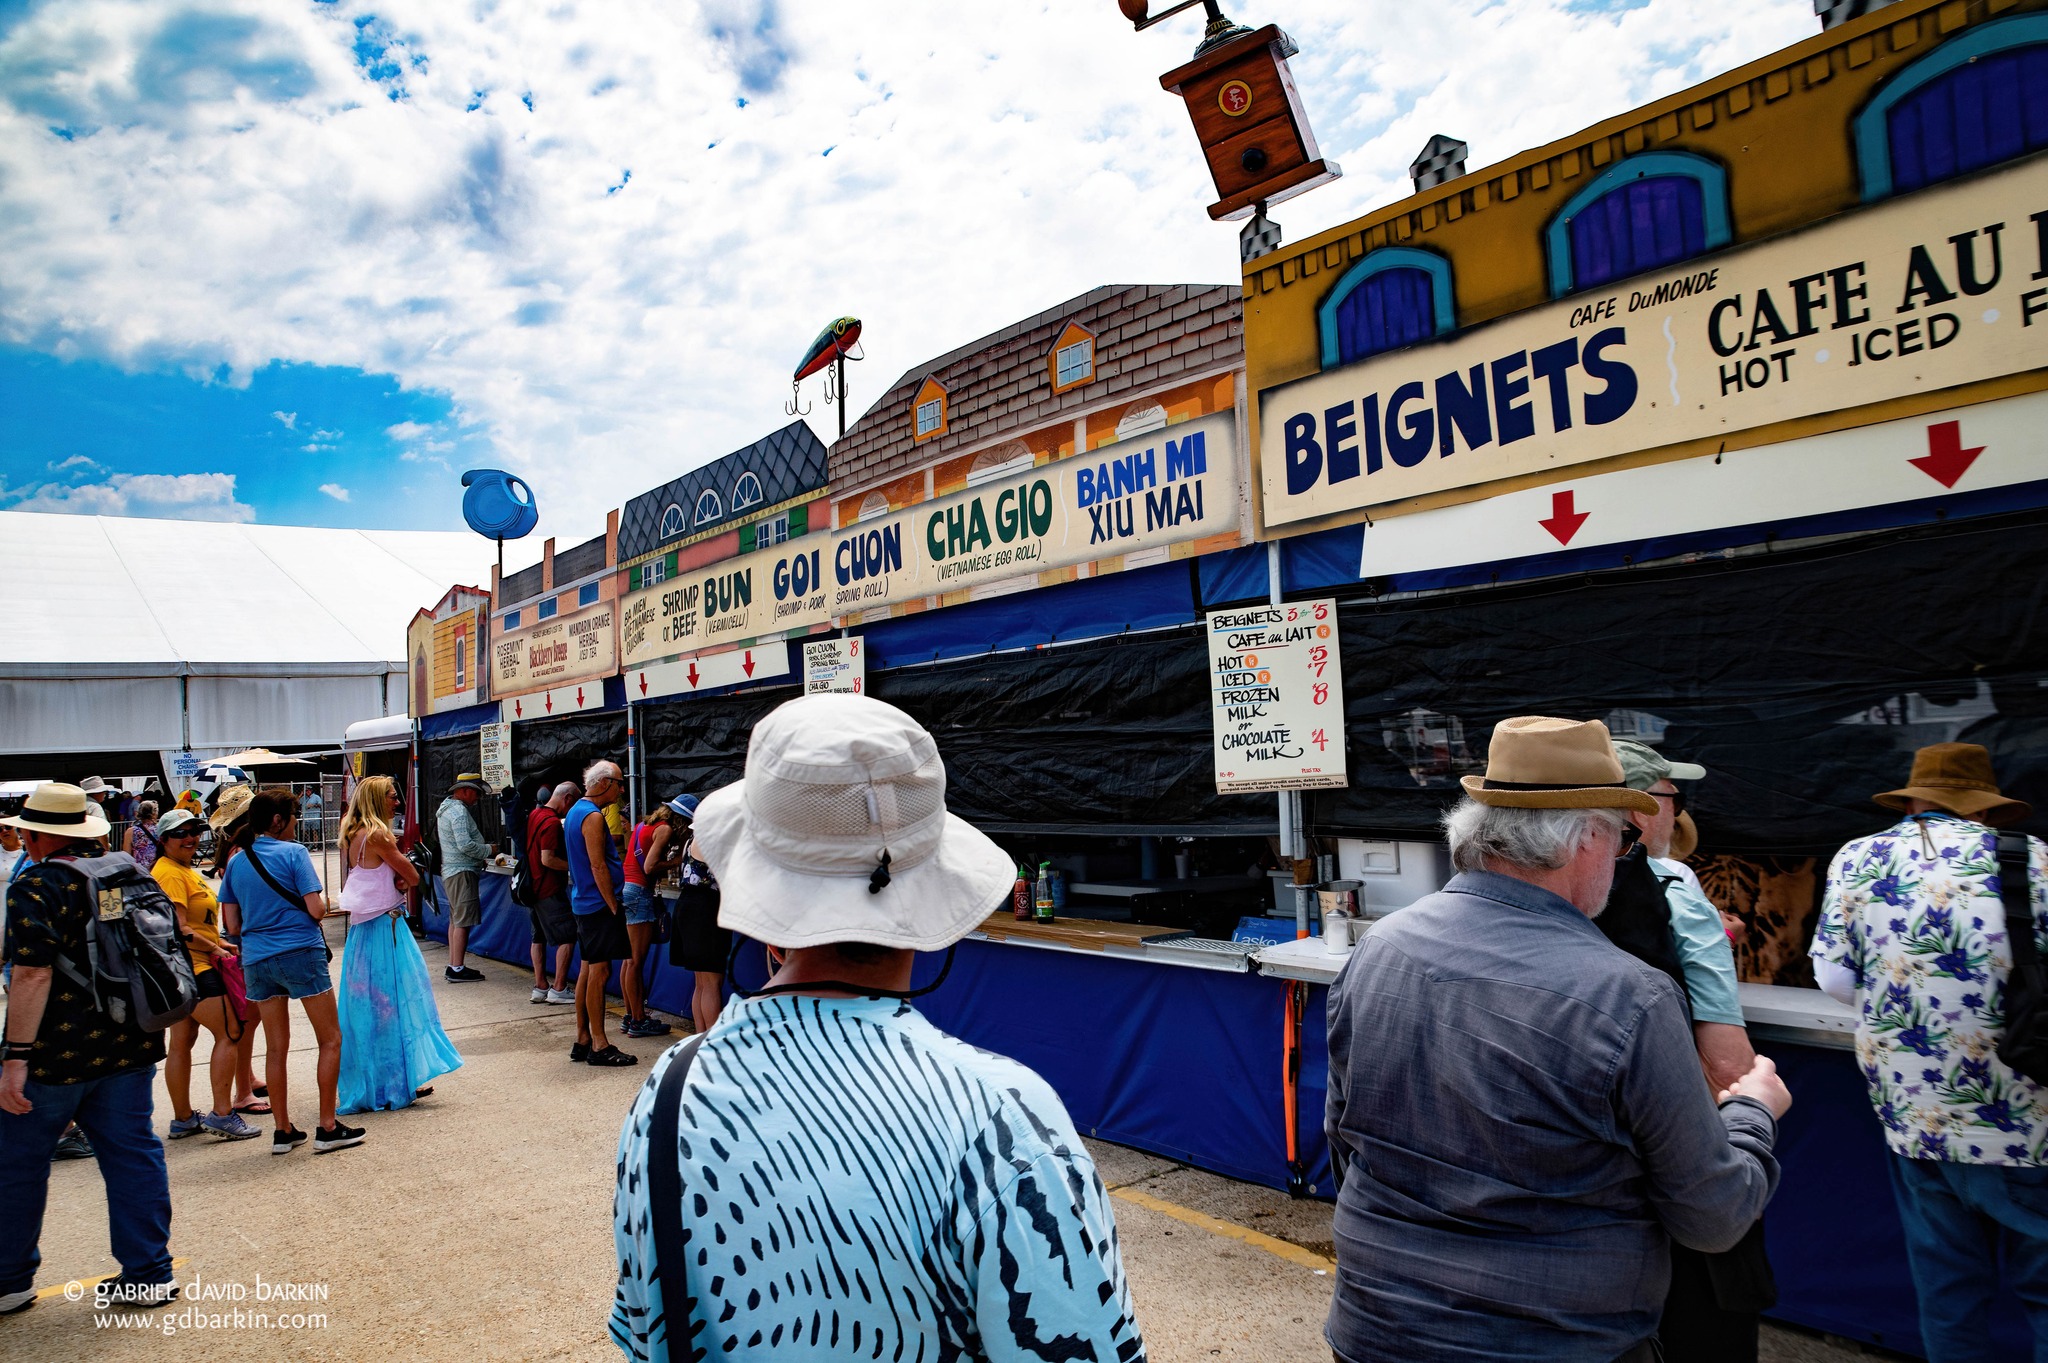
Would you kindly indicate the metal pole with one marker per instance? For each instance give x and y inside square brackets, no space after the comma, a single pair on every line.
[839,381]
[634,794]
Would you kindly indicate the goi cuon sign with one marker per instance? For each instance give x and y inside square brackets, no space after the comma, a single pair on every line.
[1176,483]
[1939,288]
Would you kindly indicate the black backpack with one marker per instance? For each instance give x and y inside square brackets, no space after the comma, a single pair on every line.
[2024,1047]
[136,967]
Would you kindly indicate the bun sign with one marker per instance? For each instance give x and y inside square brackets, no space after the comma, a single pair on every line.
[498,505]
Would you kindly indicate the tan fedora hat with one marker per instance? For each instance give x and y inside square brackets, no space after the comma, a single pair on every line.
[1957,777]
[233,803]
[66,811]
[1535,762]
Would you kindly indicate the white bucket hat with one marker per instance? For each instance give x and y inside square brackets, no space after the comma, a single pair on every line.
[64,810]
[835,781]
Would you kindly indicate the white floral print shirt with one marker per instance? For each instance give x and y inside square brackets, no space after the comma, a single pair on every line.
[1914,913]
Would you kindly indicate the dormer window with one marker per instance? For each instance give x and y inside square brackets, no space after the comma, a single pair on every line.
[930,410]
[1073,358]
[747,492]
[671,522]
[708,509]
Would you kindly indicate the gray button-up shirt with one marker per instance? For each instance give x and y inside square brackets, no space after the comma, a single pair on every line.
[1521,1126]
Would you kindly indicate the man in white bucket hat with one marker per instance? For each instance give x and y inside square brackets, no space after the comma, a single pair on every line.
[824,1173]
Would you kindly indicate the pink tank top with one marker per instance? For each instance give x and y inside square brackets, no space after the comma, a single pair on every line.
[371,890]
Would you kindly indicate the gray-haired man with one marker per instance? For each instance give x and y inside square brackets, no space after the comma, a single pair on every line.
[1515,1111]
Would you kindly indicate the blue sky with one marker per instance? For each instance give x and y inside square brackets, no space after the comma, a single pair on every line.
[261,248]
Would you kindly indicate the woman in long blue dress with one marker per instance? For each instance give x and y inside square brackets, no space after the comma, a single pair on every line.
[392,1045]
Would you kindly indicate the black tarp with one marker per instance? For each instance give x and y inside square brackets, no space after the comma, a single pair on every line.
[557,749]
[1802,679]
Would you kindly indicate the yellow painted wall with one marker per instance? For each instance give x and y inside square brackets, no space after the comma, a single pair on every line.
[1783,129]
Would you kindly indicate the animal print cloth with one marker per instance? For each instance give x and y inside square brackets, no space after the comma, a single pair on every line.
[1914,913]
[858,1184]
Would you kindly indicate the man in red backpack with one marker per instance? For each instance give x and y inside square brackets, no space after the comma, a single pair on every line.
[65,1059]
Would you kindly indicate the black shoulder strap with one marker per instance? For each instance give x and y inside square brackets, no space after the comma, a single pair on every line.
[296,901]
[2013,855]
[665,1190]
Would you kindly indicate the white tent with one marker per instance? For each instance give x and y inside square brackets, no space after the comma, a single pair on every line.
[128,634]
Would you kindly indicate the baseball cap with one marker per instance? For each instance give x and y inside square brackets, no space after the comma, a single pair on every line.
[1642,766]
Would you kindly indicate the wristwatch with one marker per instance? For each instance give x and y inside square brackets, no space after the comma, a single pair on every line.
[16,1050]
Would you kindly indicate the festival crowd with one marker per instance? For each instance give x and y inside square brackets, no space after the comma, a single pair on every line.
[1551,1134]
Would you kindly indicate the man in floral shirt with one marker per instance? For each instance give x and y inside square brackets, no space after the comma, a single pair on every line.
[1912,934]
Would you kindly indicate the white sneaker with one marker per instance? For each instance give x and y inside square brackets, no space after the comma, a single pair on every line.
[540,996]
[17,1301]
[559,996]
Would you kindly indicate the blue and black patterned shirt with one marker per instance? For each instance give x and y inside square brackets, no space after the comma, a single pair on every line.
[857,1183]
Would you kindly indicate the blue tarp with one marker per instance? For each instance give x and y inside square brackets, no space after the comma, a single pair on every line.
[1144,598]
[451,723]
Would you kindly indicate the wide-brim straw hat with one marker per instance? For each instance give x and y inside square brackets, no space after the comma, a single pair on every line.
[1957,777]
[64,810]
[834,782]
[1536,762]
[470,780]
[232,804]
[1685,837]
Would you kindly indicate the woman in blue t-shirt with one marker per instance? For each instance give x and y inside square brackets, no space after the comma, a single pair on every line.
[271,895]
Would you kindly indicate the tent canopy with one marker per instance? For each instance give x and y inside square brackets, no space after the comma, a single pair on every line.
[109,596]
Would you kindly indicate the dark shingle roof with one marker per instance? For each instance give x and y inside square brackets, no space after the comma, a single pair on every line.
[1146,336]
[786,464]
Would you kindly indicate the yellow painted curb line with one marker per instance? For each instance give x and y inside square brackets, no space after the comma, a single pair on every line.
[57,1289]
[1292,1253]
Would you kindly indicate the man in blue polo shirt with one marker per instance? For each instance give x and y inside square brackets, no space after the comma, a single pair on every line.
[595,877]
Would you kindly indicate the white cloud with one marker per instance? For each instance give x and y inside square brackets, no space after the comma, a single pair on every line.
[290,420]
[77,466]
[232,186]
[407,431]
[335,490]
[176,496]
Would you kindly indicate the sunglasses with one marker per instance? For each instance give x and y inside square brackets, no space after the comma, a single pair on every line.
[1677,798]
[1630,836]
[177,833]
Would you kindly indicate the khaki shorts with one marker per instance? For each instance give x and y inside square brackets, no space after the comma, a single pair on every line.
[463,909]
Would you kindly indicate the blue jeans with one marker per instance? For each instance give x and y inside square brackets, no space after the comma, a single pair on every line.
[1957,1218]
[116,1114]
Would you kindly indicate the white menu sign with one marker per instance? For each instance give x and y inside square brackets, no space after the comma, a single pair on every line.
[1276,688]
[835,665]
[495,744]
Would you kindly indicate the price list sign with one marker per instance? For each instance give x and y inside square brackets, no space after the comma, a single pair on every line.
[1277,695]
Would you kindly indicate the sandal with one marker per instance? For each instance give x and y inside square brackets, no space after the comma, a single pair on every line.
[261,1091]
[426,1092]
[611,1057]
[255,1107]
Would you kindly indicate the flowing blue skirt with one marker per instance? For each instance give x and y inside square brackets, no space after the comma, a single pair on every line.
[391,1037]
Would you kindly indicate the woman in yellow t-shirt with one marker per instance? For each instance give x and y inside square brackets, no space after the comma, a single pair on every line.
[199,914]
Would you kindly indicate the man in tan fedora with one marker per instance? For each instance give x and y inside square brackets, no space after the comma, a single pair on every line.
[1912,935]
[1516,1112]
[65,1059]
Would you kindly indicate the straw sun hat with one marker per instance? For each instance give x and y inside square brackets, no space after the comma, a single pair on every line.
[60,809]
[1958,778]
[1534,762]
[839,833]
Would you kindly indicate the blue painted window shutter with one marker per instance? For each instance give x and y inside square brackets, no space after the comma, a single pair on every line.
[1388,310]
[1990,110]
[1638,226]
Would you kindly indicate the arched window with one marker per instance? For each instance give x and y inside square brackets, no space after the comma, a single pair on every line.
[746,492]
[1976,100]
[1639,214]
[708,509]
[671,522]
[1392,297]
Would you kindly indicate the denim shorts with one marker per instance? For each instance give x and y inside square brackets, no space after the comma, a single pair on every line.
[638,902]
[299,974]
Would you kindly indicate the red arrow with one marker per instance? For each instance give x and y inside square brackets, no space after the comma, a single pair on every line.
[579,698]
[1946,460]
[518,709]
[693,671]
[1564,522]
[549,698]
[643,683]
[749,663]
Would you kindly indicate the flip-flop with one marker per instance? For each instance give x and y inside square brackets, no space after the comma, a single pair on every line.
[261,1091]
[426,1092]
[259,1108]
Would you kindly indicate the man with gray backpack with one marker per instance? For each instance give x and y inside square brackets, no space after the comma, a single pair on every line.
[99,972]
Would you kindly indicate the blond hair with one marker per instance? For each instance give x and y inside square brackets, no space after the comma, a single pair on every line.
[369,809]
